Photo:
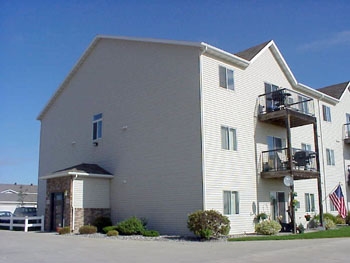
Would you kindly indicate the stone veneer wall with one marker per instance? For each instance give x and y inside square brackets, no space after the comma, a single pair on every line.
[56,185]
[86,216]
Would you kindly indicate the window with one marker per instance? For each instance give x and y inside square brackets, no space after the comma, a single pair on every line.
[231,202]
[97,127]
[226,78]
[331,206]
[228,138]
[330,157]
[274,143]
[306,147]
[309,202]
[326,113]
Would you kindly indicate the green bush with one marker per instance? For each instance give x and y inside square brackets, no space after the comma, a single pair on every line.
[131,226]
[112,233]
[268,227]
[260,217]
[101,222]
[64,230]
[150,233]
[347,219]
[301,228]
[329,224]
[208,224]
[106,229]
[88,229]
[339,220]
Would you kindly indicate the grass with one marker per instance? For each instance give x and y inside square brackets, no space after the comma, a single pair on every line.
[339,232]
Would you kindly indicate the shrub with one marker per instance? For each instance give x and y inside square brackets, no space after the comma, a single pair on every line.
[131,226]
[150,233]
[87,230]
[339,220]
[329,224]
[261,217]
[347,219]
[208,224]
[301,228]
[108,228]
[112,233]
[64,230]
[268,227]
[101,222]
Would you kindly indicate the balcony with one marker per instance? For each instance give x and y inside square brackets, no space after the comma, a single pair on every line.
[347,133]
[274,107]
[275,164]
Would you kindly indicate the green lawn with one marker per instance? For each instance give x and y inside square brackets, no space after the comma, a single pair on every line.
[339,232]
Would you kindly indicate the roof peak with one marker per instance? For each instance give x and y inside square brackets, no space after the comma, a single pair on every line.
[251,52]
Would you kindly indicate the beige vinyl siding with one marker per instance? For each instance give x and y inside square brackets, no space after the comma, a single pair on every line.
[148,94]
[91,193]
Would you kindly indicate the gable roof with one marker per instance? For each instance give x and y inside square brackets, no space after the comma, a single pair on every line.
[250,53]
[83,169]
[10,193]
[337,90]
[202,46]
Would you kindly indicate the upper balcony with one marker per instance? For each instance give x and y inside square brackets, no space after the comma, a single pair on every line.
[274,107]
[347,133]
[275,164]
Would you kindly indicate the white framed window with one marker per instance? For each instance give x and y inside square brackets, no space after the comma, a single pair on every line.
[231,202]
[228,138]
[97,127]
[330,157]
[226,79]
[326,113]
[331,206]
[306,147]
[309,202]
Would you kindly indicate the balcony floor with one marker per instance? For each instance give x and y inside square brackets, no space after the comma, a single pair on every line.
[279,118]
[297,174]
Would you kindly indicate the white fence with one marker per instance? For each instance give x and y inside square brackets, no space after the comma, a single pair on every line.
[23,222]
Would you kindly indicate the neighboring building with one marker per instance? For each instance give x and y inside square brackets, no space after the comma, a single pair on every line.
[16,195]
[159,129]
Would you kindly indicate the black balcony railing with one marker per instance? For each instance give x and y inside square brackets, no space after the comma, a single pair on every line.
[277,160]
[286,99]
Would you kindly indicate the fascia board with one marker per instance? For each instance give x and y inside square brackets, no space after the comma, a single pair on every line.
[316,94]
[274,49]
[70,173]
[68,78]
[224,55]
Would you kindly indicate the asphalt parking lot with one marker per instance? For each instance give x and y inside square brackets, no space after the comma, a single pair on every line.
[49,247]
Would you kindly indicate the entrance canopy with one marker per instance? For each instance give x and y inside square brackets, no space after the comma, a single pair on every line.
[84,169]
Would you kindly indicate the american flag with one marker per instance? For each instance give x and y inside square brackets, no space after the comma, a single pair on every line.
[338,201]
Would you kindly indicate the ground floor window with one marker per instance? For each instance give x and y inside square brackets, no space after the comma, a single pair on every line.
[231,202]
[309,202]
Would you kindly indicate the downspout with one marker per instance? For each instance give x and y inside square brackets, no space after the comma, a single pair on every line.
[201,126]
[73,207]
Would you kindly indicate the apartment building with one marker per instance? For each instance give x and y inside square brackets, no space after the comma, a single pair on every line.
[159,129]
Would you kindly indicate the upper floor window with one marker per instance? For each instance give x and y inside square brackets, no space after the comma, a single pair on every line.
[226,78]
[97,126]
[306,147]
[326,113]
[231,202]
[228,138]
[330,157]
[309,202]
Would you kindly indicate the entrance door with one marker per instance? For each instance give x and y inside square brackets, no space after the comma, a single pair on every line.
[57,209]
[279,206]
[270,103]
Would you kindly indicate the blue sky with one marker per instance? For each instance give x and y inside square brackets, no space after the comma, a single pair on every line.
[40,41]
